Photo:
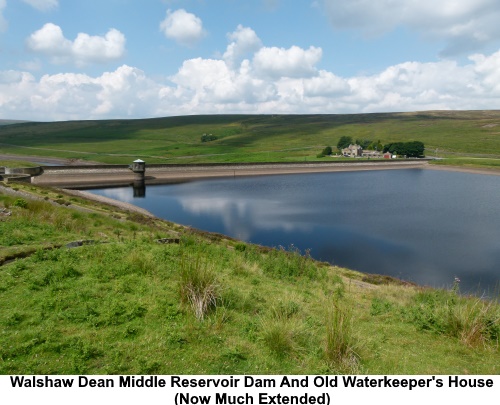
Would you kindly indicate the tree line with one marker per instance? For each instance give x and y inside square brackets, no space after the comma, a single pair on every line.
[408,149]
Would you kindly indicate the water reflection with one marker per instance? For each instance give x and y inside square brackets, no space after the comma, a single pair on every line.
[139,187]
[242,217]
[420,225]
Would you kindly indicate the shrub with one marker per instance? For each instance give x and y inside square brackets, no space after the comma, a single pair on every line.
[380,306]
[327,151]
[240,247]
[20,202]
[208,138]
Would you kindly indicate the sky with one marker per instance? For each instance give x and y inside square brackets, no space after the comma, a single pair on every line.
[105,59]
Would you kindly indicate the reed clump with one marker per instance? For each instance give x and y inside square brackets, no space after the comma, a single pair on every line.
[340,350]
[198,285]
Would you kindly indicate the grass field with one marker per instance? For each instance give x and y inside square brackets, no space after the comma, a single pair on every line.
[16,163]
[125,304]
[252,138]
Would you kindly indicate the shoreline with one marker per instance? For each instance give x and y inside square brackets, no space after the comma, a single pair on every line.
[84,177]
[132,208]
[461,169]
[203,175]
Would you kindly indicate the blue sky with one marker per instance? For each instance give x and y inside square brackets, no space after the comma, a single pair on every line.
[67,59]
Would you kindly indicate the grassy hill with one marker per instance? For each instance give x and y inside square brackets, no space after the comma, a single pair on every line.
[252,138]
[207,304]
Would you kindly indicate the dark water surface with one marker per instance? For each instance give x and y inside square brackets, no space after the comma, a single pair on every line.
[419,225]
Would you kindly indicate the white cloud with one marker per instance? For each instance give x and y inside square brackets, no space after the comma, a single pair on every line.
[99,49]
[183,27]
[3,21]
[464,25]
[50,41]
[248,78]
[292,62]
[125,92]
[244,41]
[43,5]
[325,84]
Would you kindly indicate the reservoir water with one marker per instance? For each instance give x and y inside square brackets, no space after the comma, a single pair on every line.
[419,225]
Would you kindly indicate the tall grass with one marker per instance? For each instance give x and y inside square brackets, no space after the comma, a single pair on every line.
[340,341]
[198,285]
[474,321]
[285,263]
[282,331]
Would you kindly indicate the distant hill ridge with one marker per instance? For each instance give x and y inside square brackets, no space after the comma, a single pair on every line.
[10,122]
[251,138]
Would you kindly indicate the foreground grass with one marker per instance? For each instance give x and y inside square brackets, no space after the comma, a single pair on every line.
[124,304]
[251,138]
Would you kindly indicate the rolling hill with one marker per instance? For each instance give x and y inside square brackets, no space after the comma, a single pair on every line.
[251,138]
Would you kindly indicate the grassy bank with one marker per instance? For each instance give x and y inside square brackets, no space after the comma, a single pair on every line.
[468,162]
[251,138]
[16,163]
[125,303]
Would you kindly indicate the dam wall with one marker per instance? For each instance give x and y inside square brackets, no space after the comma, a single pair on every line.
[117,175]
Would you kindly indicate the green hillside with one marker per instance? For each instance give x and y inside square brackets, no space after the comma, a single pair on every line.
[251,138]
[207,304]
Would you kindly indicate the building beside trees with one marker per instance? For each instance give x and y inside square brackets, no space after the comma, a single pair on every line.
[413,149]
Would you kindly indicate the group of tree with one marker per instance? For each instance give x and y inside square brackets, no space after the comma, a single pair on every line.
[408,149]
[208,138]
[345,141]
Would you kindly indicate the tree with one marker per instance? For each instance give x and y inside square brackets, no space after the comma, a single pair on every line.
[327,151]
[415,149]
[396,148]
[344,142]
[364,143]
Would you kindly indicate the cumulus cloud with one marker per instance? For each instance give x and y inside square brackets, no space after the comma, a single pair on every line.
[50,41]
[464,26]
[244,42]
[124,92]
[3,21]
[43,5]
[248,78]
[292,62]
[183,27]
